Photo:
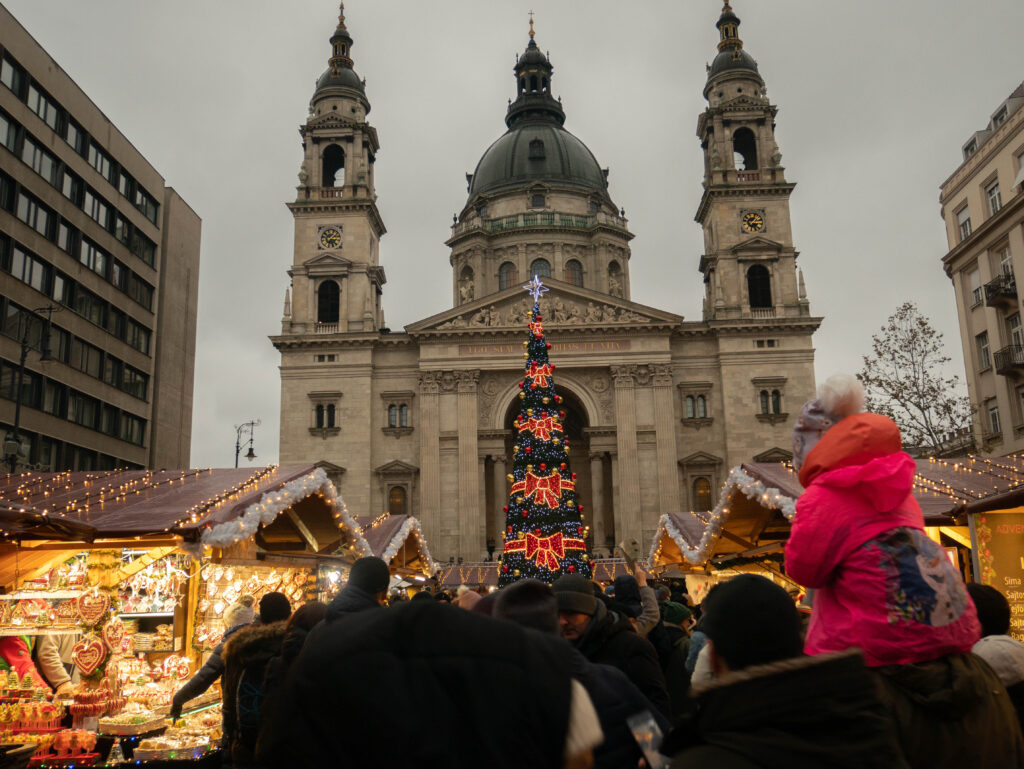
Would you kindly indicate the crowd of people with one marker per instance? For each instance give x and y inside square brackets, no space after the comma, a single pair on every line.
[898,665]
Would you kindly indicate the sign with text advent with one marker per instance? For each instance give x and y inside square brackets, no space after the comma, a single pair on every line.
[997,540]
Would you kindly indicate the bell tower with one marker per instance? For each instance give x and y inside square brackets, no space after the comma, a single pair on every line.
[749,263]
[336,276]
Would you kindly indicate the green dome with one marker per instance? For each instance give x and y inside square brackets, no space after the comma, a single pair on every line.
[343,77]
[727,60]
[537,151]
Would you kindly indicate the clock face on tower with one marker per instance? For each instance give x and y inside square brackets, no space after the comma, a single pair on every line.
[752,221]
[330,237]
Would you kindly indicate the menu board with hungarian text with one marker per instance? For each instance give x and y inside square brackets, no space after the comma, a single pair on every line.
[998,554]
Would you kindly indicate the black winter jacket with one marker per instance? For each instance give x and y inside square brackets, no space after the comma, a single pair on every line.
[610,640]
[802,713]
[206,676]
[349,600]
[615,699]
[953,711]
[424,684]
[246,657]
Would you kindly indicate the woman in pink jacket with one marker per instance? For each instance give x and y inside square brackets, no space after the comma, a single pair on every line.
[881,584]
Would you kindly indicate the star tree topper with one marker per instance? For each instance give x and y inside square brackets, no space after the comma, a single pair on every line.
[536,289]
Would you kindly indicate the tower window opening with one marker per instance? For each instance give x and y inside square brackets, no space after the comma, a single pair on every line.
[533,82]
[544,84]
[541,268]
[327,296]
[538,200]
[574,273]
[522,84]
[333,167]
[759,286]
[537,150]
[745,146]
[508,276]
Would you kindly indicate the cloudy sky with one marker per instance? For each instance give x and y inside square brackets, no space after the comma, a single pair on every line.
[875,100]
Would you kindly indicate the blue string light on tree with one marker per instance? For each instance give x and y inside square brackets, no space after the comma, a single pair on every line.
[544,531]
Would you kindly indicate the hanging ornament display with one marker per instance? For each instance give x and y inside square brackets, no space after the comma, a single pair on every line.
[93,606]
[89,654]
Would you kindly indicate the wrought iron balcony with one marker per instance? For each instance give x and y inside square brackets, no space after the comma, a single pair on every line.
[1009,359]
[1003,288]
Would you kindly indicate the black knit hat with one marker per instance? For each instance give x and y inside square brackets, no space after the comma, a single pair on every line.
[530,603]
[752,621]
[993,609]
[274,607]
[370,574]
[575,593]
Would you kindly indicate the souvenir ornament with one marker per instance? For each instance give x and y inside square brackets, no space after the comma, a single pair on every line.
[88,654]
[113,634]
[92,606]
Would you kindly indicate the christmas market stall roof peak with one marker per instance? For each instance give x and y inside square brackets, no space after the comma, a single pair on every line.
[283,508]
[399,541]
[757,502]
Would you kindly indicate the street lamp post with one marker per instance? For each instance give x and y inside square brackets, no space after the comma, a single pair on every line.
[247,427]
[12,443]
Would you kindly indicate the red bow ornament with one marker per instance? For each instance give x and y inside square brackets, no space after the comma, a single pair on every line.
[546,551]
[545,491]
[537,328]
[541,428]
[539,374]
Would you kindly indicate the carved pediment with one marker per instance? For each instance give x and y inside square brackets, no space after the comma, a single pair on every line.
[564,306]
[757,245]
[331,120]
[326,263]
[774,454]
[395,468]
[700,458]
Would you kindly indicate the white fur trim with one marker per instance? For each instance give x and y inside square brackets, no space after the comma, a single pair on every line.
[410,527]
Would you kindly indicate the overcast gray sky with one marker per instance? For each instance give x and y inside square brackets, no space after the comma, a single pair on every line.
[875,100]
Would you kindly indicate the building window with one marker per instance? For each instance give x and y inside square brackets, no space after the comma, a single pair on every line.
[765,399]
[776,402]
[1004,261]
[963,222]
[41,161]
[999,118]
[327,302]
[333,167]
[1013,329]
[403,416]
[396,500]
[33,214]
[759,286]
[392,415]
[702,495]
[397,412]
[574,273]
[540,268]
[324,415]
[974,286]
[101,161]
[324,412]
[11,75]
[328,358]
[995,200]
[984,355]
[970,148]
[507,276]
[702,407]
[994,423]
[537,151]
[691,410]
[43,106]
[744,146]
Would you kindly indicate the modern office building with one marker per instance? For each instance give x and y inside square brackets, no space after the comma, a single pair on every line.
[983,210]
[99,270]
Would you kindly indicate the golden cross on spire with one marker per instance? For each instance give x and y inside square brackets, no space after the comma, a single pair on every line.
[531,25]
[341,15]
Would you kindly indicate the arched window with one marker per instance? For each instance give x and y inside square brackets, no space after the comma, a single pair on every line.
[533,82]
[759,286]
[574,273]
[765,402]
[327,296]
[403,416]
[541,268]
[745,145]
[701,495]
[690,412]
[702,407]
[319,415]
[392,416]
[522,84]
[776,402]
[507,276]
[544,83]
[396,500]
[330,415]
[334,167]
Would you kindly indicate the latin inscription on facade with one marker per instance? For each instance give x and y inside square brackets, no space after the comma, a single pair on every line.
[557,348]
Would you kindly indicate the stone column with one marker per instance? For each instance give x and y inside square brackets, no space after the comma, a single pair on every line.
[343,289]
[470,541]
[616,532]
[597,498]
[627,513]
[430,460]
[500,500]
[481,474]
[665,435]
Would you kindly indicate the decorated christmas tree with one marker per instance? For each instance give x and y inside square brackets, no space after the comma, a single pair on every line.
[544,530]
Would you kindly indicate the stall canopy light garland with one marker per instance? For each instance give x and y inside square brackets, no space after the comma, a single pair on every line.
[272,504]
[410,526]
[738,480]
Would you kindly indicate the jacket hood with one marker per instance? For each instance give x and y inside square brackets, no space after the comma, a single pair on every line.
[254,640]
[349,600]
[856,440]
[796,713]
[884,482]
[946,688]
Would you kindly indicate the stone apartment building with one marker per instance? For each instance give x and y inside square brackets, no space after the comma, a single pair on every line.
[99,266]
[983,210]
[659,407]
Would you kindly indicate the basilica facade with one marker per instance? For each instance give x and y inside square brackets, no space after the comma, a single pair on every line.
[658,408]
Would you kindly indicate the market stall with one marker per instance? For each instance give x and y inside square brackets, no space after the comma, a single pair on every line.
[747,528]
[137,570]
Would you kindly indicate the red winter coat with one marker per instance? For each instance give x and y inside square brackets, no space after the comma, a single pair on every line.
[882,585]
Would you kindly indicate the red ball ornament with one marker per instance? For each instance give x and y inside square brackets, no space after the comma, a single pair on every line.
[548,345]
[522,385]
[561,466]
[525,513]
[505,569]
[580,508]
[527,450]
[579,530]
[543,466]
[505,509]
[533,385]
[537,532]
[574,476]
[558,399]
[571,568]
[551,366]
[561,414]
[539,318]
[509,528]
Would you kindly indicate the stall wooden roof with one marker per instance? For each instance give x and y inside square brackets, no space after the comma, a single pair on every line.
[399,540]
[757,502]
